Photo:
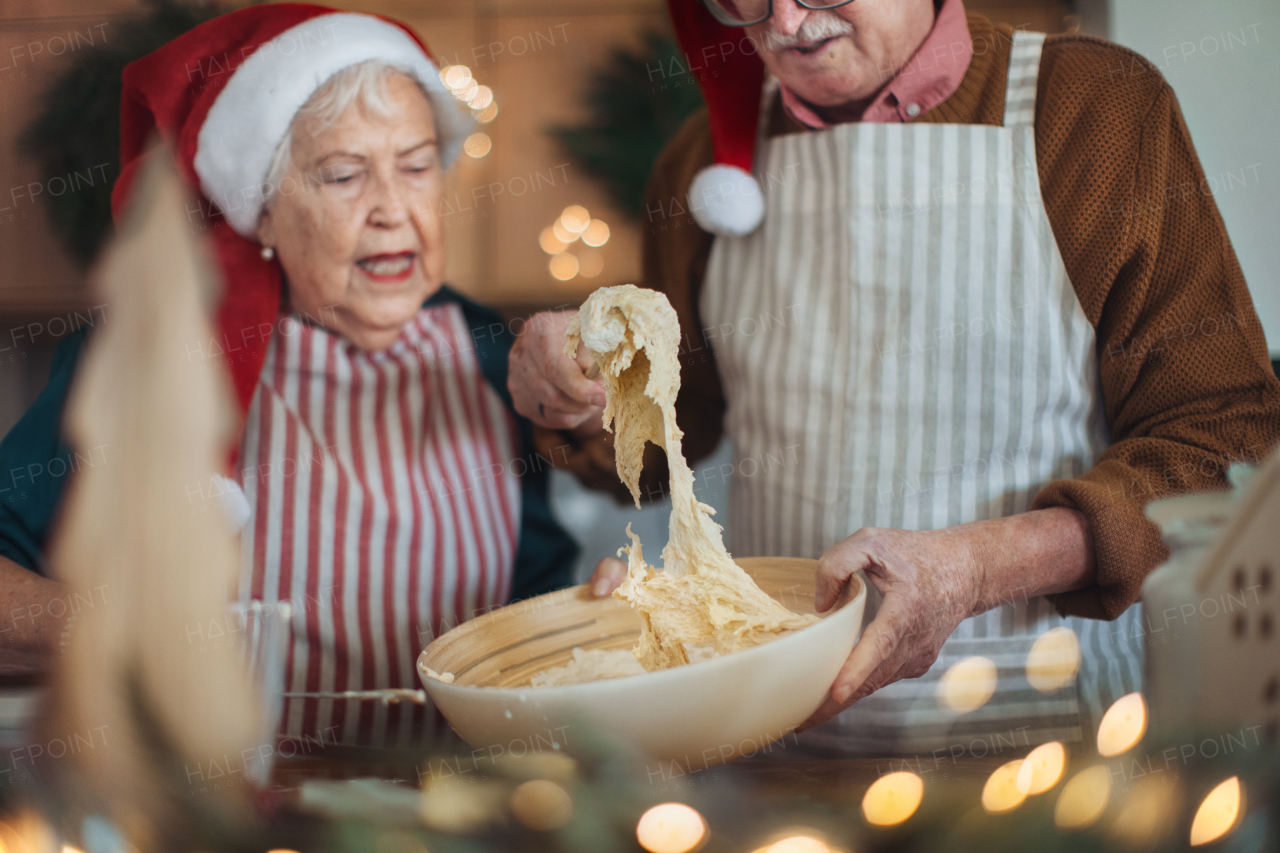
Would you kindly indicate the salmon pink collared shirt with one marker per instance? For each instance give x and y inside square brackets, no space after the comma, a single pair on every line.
[931,76]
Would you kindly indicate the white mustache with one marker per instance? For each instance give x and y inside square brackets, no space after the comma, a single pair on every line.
[819,25]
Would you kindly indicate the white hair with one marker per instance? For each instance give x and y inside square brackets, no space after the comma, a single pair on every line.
[365,83]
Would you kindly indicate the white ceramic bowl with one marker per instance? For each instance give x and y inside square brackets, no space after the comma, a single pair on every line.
[698,715]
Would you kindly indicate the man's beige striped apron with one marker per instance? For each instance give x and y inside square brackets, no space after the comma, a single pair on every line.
[901,347]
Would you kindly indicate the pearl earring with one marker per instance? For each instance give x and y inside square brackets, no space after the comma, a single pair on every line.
[268,253]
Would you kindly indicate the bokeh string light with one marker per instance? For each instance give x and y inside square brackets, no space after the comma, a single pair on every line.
[968,684]
[1146,815]
[573,226]
[1219,812]
[893,798]
[1001,793]
[550,243]
[796,844]
[477,145]
[590,263]
[1042,768]
[1083,799]
[541,804]
[1053,659]
[670,828]
[1122,726]
[596,234]
[480,99]
[575,218]
[564,266]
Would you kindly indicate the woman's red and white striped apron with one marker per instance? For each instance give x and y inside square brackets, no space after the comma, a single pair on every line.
[384,509]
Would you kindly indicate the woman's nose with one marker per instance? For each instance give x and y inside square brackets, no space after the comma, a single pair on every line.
[389,207]
[787,17]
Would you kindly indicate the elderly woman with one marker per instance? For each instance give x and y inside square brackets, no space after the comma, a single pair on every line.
[377,482]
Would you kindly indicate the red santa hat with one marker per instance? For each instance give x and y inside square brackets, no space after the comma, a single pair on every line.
[724,198]
[223,96]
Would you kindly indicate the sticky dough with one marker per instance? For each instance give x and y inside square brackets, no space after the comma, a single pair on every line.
[700,596]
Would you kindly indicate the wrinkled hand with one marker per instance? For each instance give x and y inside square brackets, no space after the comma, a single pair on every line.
[547,386]
[608,576]
[930,582]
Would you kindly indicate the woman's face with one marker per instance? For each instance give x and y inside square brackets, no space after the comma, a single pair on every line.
[358,233]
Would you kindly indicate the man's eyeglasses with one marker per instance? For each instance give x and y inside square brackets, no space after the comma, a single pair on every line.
[745,13]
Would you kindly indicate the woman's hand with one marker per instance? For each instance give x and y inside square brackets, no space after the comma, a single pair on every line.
[931,580]
[547,386]
[608,576]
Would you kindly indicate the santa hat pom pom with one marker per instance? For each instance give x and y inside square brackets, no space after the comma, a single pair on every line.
[726,200]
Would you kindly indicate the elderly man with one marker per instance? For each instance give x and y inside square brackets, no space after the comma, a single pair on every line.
[988,313]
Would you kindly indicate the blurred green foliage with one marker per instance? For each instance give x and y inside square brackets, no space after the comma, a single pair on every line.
[79,128]
[635,103]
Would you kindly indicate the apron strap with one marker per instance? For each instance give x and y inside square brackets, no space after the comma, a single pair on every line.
[1024,70]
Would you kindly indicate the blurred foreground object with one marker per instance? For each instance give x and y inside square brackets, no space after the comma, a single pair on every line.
[166,564]
[1213,610]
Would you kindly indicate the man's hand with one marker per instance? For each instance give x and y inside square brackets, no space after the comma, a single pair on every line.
[547,386]
[931,580]
[608,576]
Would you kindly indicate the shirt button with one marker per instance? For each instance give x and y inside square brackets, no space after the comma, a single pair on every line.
[913,110]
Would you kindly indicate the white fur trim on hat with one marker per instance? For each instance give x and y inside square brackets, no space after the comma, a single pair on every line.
[726,200]
[253,111]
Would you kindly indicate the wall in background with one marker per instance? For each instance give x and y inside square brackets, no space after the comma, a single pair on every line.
[1223,61]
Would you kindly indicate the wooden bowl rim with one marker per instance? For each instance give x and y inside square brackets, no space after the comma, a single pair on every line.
[854,590]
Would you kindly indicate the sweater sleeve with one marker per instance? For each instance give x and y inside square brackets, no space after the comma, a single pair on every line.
[1187,384]
[35,464]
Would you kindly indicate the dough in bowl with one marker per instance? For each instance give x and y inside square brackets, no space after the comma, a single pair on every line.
[699,597]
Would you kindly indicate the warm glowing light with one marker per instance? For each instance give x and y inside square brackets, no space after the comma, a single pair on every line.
[670,828]
[968,684]
[798,844]
[575,218]
[67,848]
[550,243]
[1122,726]
[1146,816]
[1001,793]
[455,76]
[563,234]
[467,92]
[477,145]
[892,798]
[541,804]
[1042,768]
[1053,660]
[1218,813]
[482,98]
[461,808]
[1083,799]
[487,114]
[596,233]
[590,263]
[563,266]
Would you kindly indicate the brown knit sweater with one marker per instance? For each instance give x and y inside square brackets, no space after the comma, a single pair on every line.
[1187,383]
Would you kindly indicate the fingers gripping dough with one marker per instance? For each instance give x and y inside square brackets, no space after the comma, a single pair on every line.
[700,596]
